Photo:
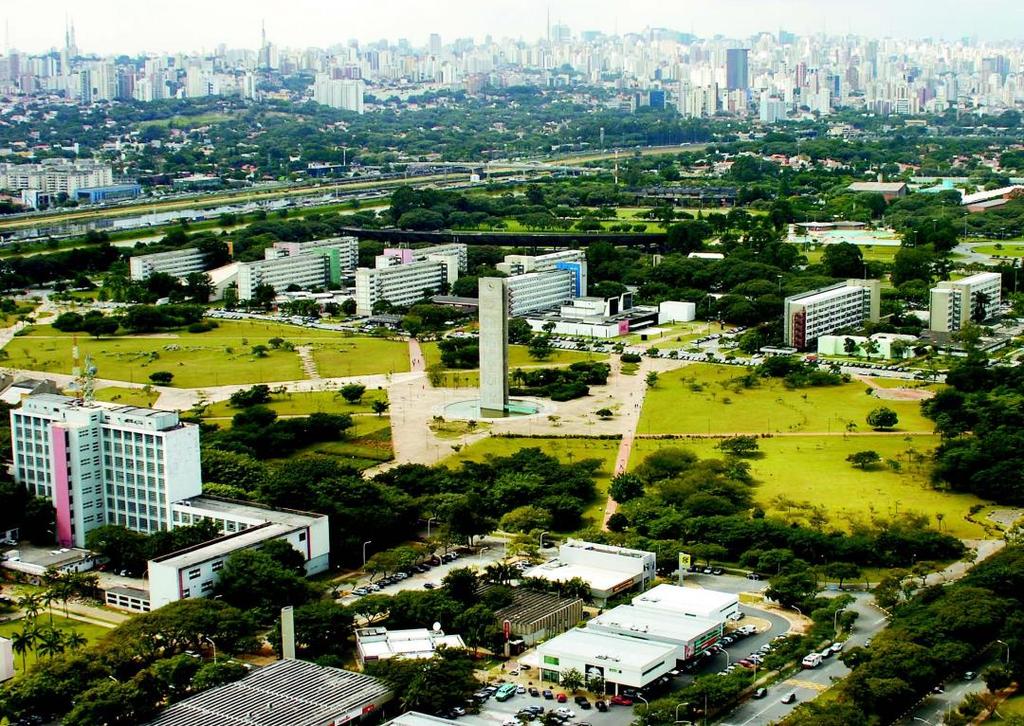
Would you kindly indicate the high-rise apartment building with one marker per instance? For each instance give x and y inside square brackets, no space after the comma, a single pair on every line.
[341,93]
[954,303]
[99,465]
[574,261]
[823,311]
[535,291]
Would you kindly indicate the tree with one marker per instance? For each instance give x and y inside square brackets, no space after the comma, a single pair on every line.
[740,445]
[257,395]
[526,519]
[882,418]
[652,379]
[353,392]
[571,679]
[626,486]
[253,580]
[380,407]
[540,347]
[791,589]
[850,346]
[22,642]
[348,307]
[461,584]
[519,331]
[843,260]
[864,459]
[161,378]
[843,571]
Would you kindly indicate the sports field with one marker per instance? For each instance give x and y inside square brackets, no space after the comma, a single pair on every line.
[708,399]
[218,357]
[796,471]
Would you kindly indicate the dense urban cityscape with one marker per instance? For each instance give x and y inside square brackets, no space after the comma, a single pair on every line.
[579,372]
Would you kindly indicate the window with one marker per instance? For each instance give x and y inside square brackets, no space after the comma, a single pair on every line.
[550,660]
[193,573]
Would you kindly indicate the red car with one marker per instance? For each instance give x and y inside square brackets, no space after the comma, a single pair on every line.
[561,698]
[620,701]
[746,663]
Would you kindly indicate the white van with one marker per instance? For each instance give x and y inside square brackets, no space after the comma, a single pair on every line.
[811,661]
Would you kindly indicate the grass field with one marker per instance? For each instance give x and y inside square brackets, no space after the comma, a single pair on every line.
[142,397]
[879,253]
[1003,249]
[798,470]
[204,119]
[219,357]
[701,399]
[368,443]
[91,632]
[1013,706]
[518,357]
[566,450]
[339,356]
[303,404]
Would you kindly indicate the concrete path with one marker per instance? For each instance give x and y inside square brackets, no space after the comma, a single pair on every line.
[416,361]
[308,362]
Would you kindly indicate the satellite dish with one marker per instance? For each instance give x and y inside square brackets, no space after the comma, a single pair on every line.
[437,626]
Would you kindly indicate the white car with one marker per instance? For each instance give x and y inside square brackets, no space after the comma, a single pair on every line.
[566,712]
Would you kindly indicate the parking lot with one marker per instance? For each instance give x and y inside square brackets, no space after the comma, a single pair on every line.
[495,712]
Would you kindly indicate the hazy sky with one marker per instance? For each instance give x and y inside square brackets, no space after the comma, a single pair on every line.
[109,26]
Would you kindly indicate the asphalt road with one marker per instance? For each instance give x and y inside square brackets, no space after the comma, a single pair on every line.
[808,683]
[936,705]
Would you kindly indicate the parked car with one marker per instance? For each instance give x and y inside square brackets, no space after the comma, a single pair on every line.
[760,693]
[620,701]
[561,698]
[534,692]
[429,586]
[579,700]
[601,706]
[837,647]
[548,695]
[717,571]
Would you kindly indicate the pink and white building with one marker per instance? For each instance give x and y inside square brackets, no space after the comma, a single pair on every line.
[101,465]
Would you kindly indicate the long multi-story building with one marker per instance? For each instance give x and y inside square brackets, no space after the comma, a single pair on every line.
[404,276]
[318,263]
[339,93]
[536,291]
[56,176]
[343,252]
[98,465]
[176,263]
[954,303]
[575,261]
[828,309]
[194,571]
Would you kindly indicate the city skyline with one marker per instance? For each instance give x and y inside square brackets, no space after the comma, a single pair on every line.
[236,25]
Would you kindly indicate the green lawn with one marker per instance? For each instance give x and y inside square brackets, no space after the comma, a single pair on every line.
[219,357]
[91,632]
[1002,249]
[703,398]
[566,450]
[204,119]
[367,444]
[518,357]
[813,469]
[303,404]
[1013,706]
[873,253]
[128,396]
[341,356]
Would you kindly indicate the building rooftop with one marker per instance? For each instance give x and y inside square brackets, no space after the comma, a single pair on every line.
[598,578]
[675,597]
[415,718]
[237,510]
[874,186]
[529,606]
[380,643]
[605,648]
[285,693]
[662,625]
[223,546]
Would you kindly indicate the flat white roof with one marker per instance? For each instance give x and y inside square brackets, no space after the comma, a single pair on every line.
[658,624]
[595,647]
[598,578]
[827,294]
[695,599]
[224,546]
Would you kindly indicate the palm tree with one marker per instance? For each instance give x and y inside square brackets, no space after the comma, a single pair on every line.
[73,640]
[49,597]
[22,643]
[31,604]
[51,642]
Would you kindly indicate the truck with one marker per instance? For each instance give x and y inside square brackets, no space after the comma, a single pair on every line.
[812,660]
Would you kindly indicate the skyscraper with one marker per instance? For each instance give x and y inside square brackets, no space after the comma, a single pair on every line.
[737,73]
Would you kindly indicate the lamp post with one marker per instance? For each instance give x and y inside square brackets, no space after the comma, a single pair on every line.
[835,618]
[678,706]
[647,707]
[209,640]
[369,541]
[542,538]
[432,519]
[1007,650]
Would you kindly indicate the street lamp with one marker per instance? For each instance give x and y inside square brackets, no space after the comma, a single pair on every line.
[1007,650]
[647,706]
[432,519]
[209,640]
[678,706]
[369,541]
[835,618]
[542,538]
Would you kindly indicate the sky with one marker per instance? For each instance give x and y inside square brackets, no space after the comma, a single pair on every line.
[119,26]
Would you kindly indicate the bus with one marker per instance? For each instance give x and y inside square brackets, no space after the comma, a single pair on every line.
[505,692]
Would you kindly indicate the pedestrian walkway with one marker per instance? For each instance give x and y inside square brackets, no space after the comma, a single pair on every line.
[308,362]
